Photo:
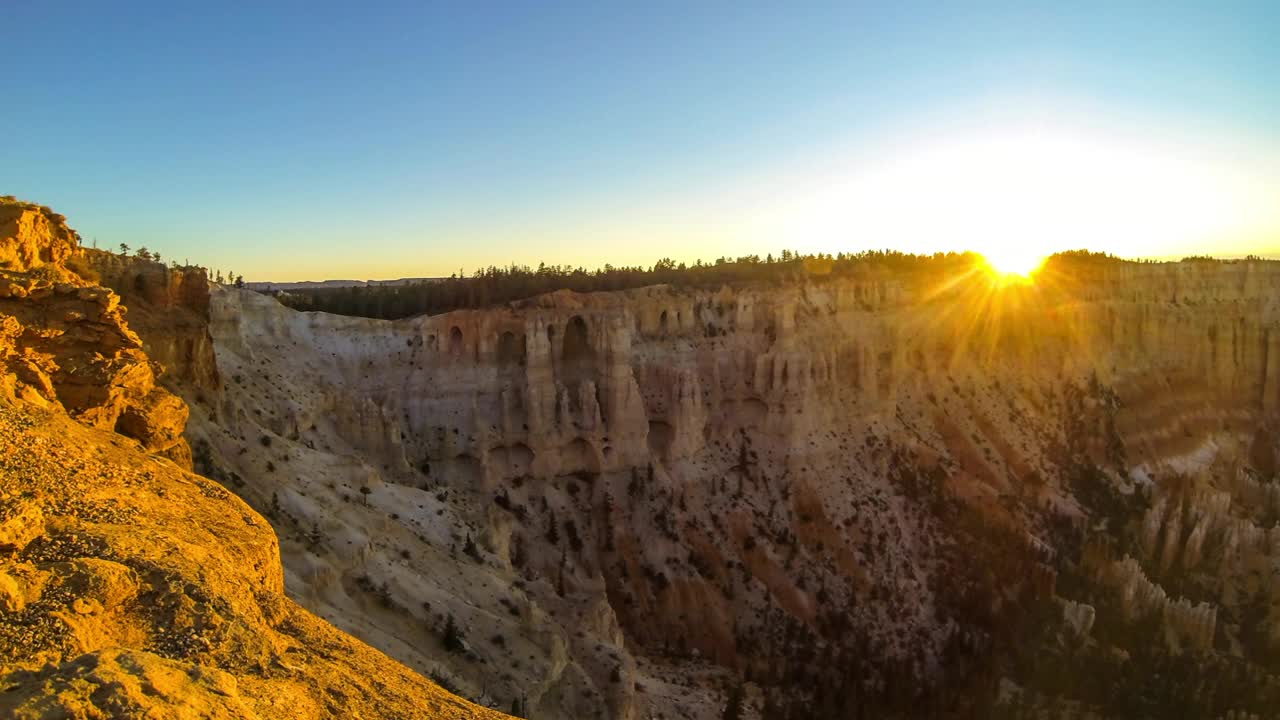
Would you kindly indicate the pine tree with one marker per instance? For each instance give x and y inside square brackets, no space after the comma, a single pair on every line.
[564,560]
[453,641]
[553,532]
[471,550]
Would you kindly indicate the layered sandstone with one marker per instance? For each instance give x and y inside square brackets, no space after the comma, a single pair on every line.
[33,236]
[65,344]
[169,308]
[622,504]
[725,468]
[130,587]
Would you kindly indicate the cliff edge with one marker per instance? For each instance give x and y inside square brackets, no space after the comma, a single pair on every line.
[129,586]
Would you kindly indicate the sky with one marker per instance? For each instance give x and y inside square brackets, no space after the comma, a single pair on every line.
[313,140]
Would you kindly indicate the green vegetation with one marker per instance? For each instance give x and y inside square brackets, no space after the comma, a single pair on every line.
[497,285]
[452,637]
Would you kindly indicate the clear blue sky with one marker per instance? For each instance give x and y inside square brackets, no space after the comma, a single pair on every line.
[316,139]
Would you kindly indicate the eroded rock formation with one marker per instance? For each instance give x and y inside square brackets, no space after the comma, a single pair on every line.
[630,483]
[64,343]
[33,236]
[130,587]
[169,308]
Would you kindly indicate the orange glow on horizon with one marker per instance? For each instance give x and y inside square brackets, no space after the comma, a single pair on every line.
[1013,264]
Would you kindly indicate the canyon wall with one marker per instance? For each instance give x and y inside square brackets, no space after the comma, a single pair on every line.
[889,496]
[64,345]
[659,489]
[169,308]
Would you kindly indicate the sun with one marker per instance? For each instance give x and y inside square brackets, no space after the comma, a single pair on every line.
[1014,263]
[1019,191]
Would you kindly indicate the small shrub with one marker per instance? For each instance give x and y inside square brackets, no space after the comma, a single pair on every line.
[453,640]
[471,550]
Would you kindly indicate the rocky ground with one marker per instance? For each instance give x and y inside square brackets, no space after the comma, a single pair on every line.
[132,588]
[129,586]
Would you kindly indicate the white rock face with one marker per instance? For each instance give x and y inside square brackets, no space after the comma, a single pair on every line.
[1185,624]
[593,486]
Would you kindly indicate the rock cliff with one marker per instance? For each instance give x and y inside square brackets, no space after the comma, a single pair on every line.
[64,342]
[169,308]
[652,491]
[883,496]
[130,587]
[33,236]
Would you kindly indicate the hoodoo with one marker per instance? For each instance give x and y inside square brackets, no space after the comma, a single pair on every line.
[643,494]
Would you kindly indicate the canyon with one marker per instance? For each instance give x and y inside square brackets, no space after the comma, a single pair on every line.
[630,500]
[924,494]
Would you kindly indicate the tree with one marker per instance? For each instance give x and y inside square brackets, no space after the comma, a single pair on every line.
[365,490]
[314,537]
[553,532]
[453,640]
[471,550]
[494,285]
[564,560]
[240,281]
[575,540]
[124,249]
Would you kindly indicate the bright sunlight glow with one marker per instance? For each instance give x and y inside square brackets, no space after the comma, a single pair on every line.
[1018,194]
[1014,262]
